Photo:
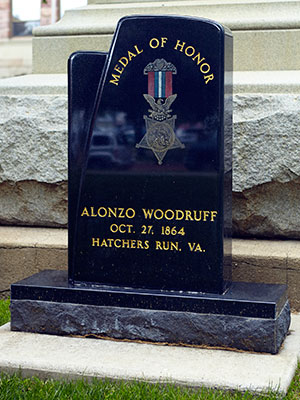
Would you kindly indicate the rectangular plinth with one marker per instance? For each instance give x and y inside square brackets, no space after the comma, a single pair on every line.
[253,300]
[252,317]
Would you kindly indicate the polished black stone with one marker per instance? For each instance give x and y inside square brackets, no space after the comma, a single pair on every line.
[255,300]
[156,151]
[228,331]
[252,317]
[84,73]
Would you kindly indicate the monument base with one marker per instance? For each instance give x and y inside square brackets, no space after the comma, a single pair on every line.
[249,316]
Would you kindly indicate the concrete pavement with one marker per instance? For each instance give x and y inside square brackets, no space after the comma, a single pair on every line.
[59,357]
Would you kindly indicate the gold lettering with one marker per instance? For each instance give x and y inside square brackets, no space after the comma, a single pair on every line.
[109,212]
[147,213]
[205,215]
[158,245]
[181,45]
[112,212]
[195,247]
[166,245]
[208,78]
[188,52]
[130,211]
[99,212]
[188,215]
[154,46]
[163,41]
[121,243]
[123,61]
[110,242]
[161,215]
[172,214]
[195,215]
[198,58]
[125,244]
[137,50]
[118,245]
[122,228]
[121,215]
[174,246]
[191,246]
[114,228]
[95,242]
[115,81]
[131,55]
[85,212]
[104,244]
[198,248]
[118,70]
[207,69]
[92,212]
[213,215]
[154,42]
[177,215]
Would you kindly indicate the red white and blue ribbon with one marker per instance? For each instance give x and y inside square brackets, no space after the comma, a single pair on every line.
[160,84]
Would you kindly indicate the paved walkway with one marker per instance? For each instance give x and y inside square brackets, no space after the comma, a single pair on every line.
[71,358]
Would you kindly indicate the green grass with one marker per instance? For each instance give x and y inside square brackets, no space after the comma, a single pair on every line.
[14,387]
[32,388]
[4,312]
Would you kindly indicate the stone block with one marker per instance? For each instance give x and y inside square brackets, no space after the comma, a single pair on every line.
[33,138]
[271,28]
[30,202]
[270,262]
[253,317]
[26,251]
[50,56]
[266,152]
[18,264]
[252,334]
[266,157]
[266,168]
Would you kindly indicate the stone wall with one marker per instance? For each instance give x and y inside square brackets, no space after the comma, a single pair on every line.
[266,168]
[266,144]
[33,153]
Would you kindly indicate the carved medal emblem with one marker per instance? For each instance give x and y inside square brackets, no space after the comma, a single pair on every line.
[160,124]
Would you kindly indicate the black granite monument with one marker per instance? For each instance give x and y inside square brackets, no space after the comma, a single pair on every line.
[150,134]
